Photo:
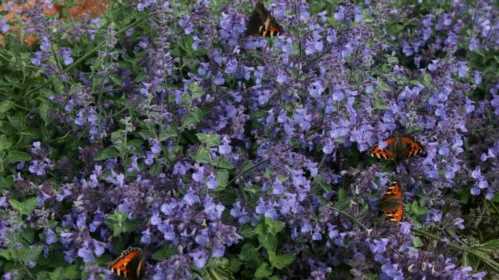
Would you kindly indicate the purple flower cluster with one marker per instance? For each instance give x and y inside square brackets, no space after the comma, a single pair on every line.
[187,131]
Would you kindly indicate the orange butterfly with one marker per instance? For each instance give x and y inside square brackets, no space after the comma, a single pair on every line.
[392,203]
[398,148]
[262,23]
[129,265]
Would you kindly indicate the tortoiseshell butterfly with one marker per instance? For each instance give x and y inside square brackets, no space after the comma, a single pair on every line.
[398,147]
[129,265]
[262,23]
[392,203]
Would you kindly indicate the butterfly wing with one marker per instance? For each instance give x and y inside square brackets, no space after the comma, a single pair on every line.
[412,147]
[261,23]
[129,265]
[392,203]
[386,153]
[398,148]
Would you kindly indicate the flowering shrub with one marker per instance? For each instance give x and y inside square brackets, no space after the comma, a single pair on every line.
[161,125]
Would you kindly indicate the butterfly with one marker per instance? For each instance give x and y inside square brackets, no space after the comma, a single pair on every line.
[398,147]
[262,23]
[392,204]
[129,265]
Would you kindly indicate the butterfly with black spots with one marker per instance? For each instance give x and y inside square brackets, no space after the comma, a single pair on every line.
[262,23]
[392,204]
[129,265]
[398,147]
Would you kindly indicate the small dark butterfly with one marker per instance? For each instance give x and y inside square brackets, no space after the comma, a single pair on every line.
[262,23]
[398,147]
[392,204]
[129,265]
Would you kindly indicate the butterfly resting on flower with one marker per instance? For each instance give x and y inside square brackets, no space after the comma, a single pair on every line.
[392,204]
[129,265]
[398,147]
[262,23]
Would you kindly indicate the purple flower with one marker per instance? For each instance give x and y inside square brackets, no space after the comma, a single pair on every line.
[212,209]
[282,77]
[39,167]
[37,58]
[199,257]
[198,175]
[191,198]
[146,237]
[435,216]
[392,271]
[239,213]
[265,209]
[66,56]
[212,182]
[155,146]
[4,26]
[459,223]
[86,254]
[405,228]
[225,147]
[180,168]
[169,208]
[379,246]
[339,15]
[50,237]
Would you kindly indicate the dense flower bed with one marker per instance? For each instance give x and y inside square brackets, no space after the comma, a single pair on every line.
[162,125]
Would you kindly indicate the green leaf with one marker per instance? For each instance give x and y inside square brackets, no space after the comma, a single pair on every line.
[44,109]
[118,136]
[393,60]
[249,254]
[342,200]
[27,254]
[235,264]
[263,271]
[164,253]
[135,145]
[209,139]
[6,254]
[15,156]
[25,207]
[27,236]
[119,223]
[280,261]
[202,155]
[490,246]
[417,242]
[222,179]
[6,182]
[116,80]
[223,163]
[107,153]
[247,231]
[68,272]
[274,226]
[193,118]
[427,80]
[167,133]
[267,240]
[5,143]
[217,269]
[496,198]
[5,106]
[417,209]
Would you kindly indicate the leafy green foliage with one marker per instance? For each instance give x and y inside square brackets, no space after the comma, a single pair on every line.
[25,207]
[119,223]
[267,262]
